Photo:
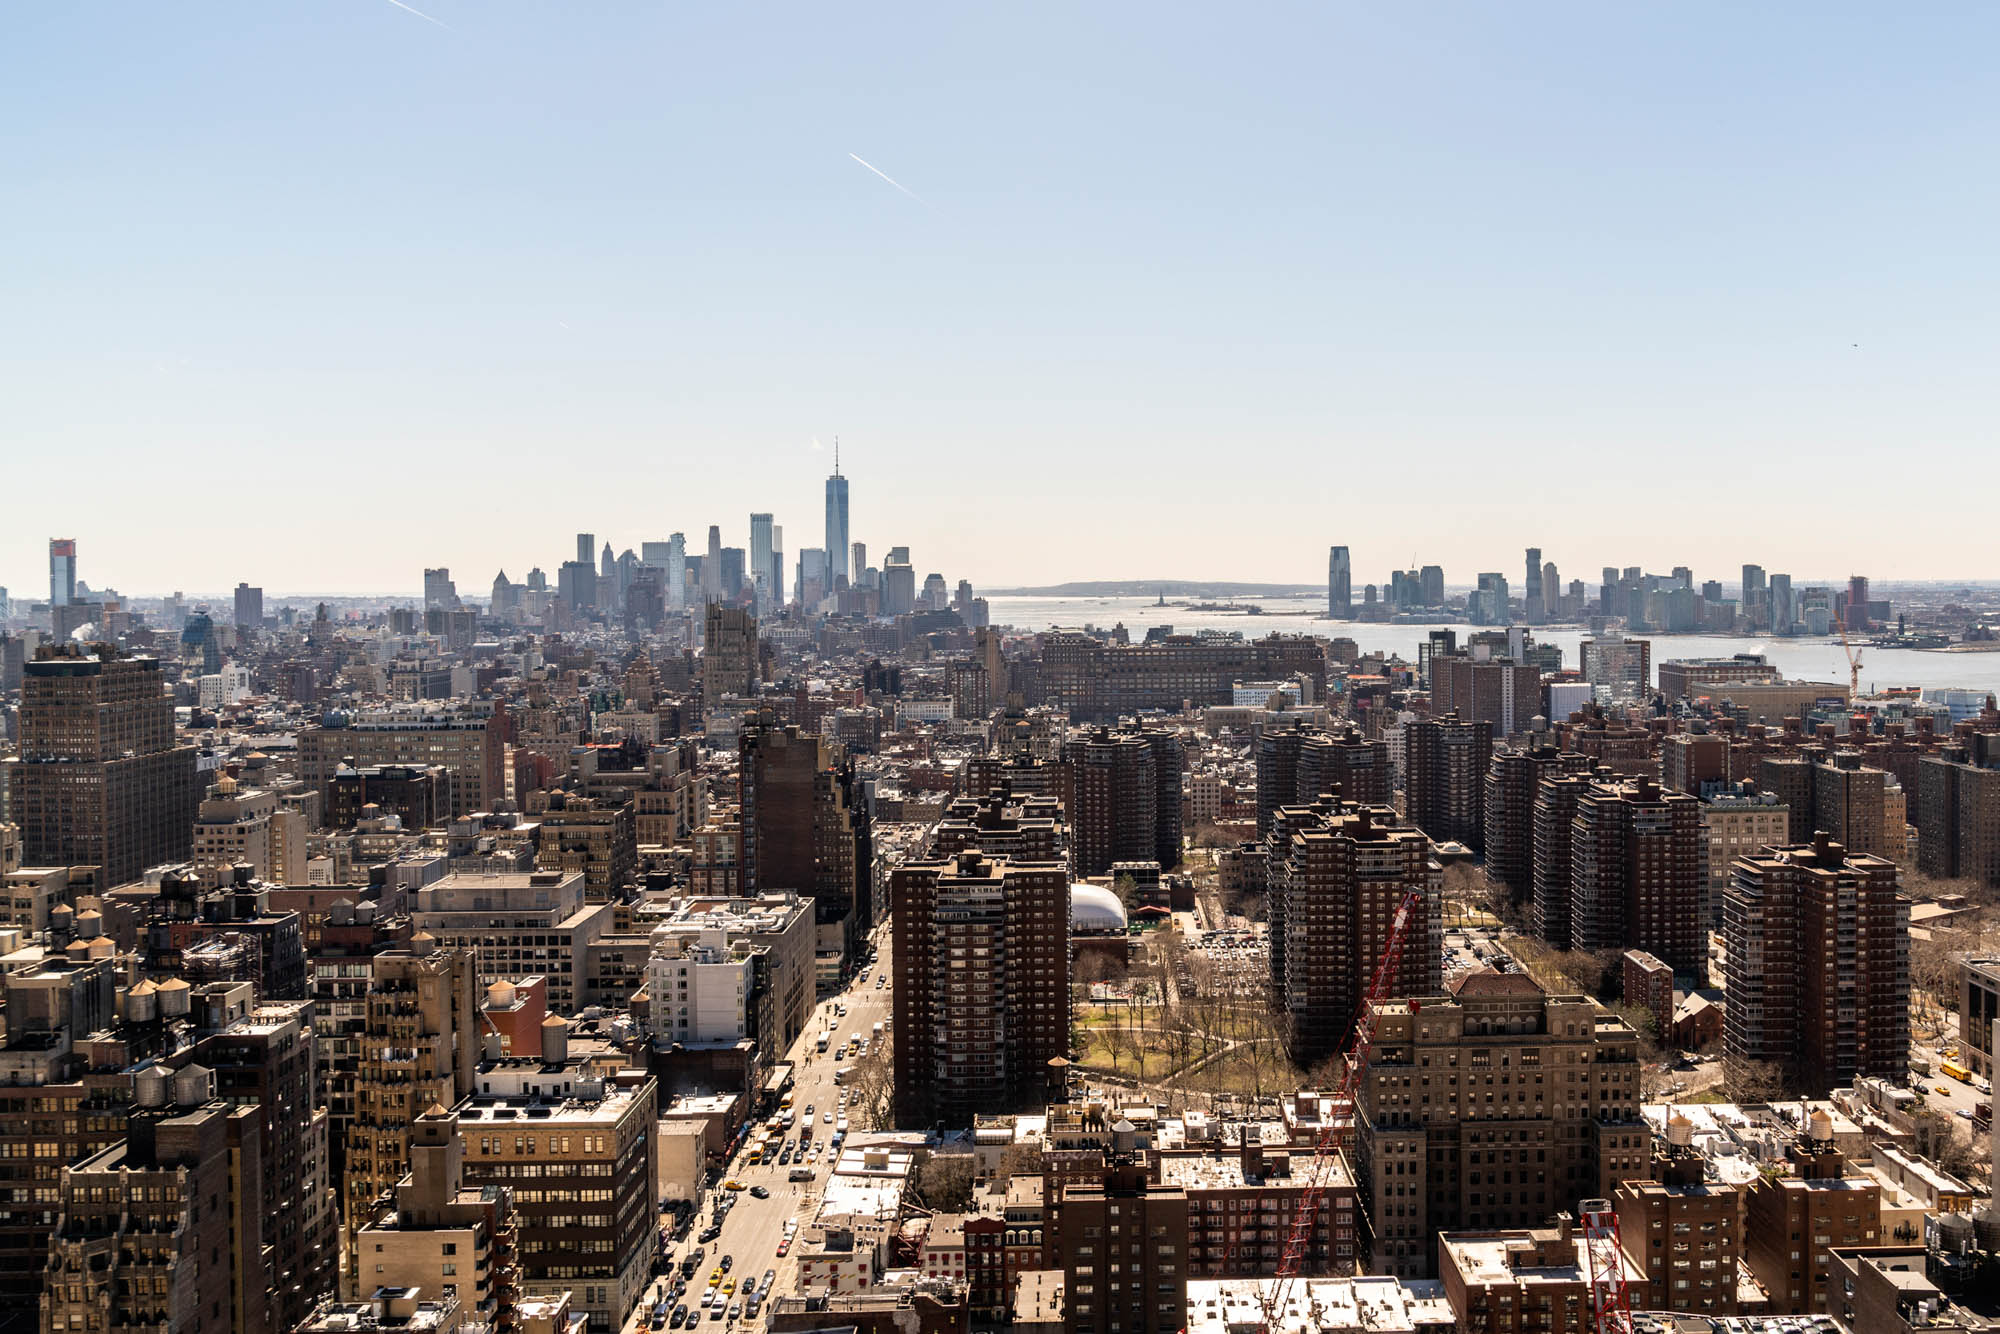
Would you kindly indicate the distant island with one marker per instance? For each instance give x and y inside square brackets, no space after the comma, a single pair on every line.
[1154,588]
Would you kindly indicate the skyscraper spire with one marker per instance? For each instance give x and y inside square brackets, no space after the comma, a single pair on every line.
[836,456]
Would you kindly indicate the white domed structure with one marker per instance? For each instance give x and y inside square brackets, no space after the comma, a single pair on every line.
[1095,911]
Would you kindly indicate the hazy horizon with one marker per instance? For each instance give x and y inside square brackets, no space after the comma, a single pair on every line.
[323,295]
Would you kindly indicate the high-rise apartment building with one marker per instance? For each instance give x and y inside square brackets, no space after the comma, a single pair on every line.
[804,827]
[1123,798]
[1339,584]
[419,1044]
[266,1058]
[836,528]
[100,779]
[1639,873]
[249,605]
[1958,809]
[1298,764]
[1492,1106]
[1500,692]
[1446,758]
[62,571]
[1817,961]
[1513,784]
[763,583]
[981,985]
[1864,809]
[1336,874]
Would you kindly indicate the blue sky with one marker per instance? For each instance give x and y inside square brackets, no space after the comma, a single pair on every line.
[318,293]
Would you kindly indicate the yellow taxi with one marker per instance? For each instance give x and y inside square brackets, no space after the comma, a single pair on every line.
[728,1285]
[732,1184]
[715,1278]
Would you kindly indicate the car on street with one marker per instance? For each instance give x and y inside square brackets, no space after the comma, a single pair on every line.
[728,1263]
[732,1184]
[759,1192]
[679,1317]
[735,1310]
[827,1118]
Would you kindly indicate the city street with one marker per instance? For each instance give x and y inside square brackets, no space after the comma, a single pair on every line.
[753,1228]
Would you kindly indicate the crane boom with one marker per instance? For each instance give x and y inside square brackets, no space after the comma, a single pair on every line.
[1853,661]
[1340,1111]
[1610,1297]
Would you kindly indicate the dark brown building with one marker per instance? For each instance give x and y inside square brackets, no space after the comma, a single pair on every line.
[99,780]
[981,985]
[1499,692]
[805,828]
[1794,1222]
[266,1060]
[1958,811]
[1446,759]
[1639,873]
[1243,1203]
[1817,956]
[1123,799]
[1337,872]
[1124,1247]
[1555,829]
[1527,1280]
[419,795]
[1296,765]
[1680,1231]
[1022,829]
[1513,782]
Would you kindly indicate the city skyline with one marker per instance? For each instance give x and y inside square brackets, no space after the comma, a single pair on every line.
[670,285]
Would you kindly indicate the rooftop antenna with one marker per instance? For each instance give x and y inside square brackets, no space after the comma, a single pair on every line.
[836,456]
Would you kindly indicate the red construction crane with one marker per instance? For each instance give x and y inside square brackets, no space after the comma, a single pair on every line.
[1340,1112]
[1610,1299]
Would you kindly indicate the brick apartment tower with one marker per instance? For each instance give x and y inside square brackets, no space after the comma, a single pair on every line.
[1445,786]
[1817,955]
[981,985]
[1336,873]
[1639,873]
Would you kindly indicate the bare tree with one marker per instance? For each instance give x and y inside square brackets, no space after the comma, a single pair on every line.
[943,1182]
[871,1089]
[1753,1081]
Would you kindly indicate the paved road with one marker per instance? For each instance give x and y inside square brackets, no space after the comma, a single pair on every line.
[753,1228]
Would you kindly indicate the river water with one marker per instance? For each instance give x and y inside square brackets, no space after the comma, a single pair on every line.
[1797,659]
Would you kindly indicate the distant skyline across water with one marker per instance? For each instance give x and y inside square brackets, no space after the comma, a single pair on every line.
[1807,659]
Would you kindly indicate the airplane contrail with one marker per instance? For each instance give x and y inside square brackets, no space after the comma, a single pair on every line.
[420,14]
[879,172]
